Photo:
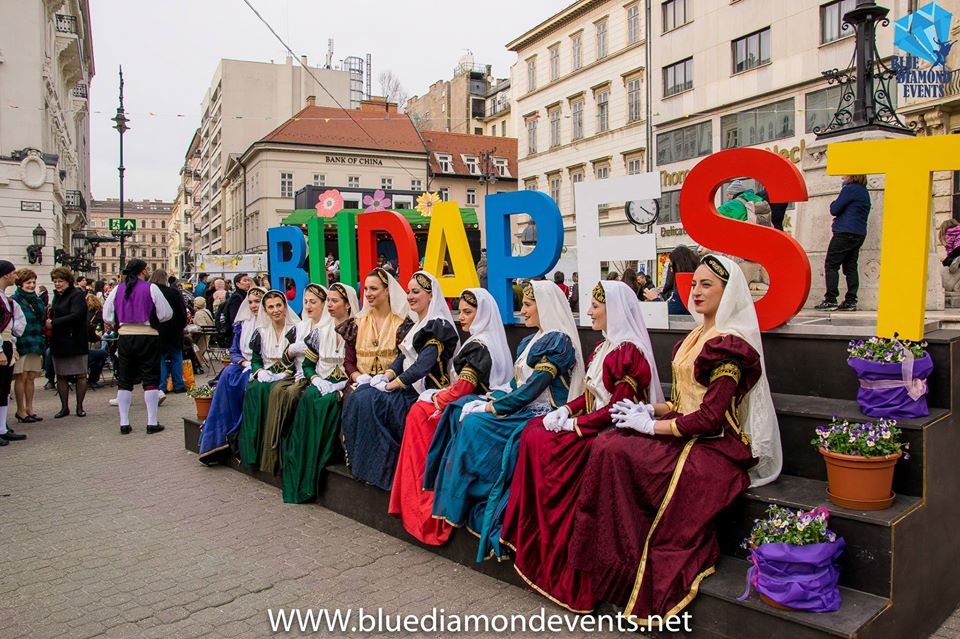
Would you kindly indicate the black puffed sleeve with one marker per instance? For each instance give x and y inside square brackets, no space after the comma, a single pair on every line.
[473,362]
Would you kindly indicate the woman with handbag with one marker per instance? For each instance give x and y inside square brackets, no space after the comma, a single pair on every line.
[29,362]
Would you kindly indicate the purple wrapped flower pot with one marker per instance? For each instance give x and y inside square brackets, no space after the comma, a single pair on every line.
[798,577]
[896,390]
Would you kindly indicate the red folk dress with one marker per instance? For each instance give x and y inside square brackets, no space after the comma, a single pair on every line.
[408,499]
[539,519]
[644,528]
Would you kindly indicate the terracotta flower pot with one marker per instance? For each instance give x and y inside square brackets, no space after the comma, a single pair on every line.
[860,483]
[203,407]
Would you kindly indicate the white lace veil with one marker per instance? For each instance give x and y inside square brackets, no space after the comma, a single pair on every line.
[272,346]
[398,298]
[555,315]
[438,309]
[625,324]
[758,419]
[488,330]
[248,322]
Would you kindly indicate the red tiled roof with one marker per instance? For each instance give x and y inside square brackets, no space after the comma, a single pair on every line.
[460,144]
[326,126]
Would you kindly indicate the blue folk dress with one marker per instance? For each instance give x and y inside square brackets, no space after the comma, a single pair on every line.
[226,407]
[373,420]
[470,463]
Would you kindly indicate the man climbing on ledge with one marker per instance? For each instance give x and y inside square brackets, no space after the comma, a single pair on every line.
[137,307]
[850,211]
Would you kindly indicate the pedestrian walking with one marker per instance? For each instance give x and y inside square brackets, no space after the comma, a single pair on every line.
[12,323]
[29,345]
[68,341]
[136,306]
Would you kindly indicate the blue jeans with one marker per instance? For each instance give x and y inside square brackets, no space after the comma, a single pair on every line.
[171,364]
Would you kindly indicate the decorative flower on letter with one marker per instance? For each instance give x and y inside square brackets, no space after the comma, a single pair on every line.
[425,203]
[330,203]
[376,202]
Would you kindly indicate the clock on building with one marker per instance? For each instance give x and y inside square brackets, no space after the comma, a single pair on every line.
[642,213]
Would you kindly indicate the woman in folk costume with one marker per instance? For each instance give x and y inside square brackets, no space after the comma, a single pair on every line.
[644,528]
[375,414]
[543,495]
[285,393]
[482,363]
[471,458]
[276,330]
[372,339]
[310,442]
[226,408]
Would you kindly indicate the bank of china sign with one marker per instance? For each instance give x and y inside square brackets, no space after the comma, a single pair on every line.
[923,35]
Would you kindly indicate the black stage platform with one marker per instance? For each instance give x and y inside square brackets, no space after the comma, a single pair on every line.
[897,577]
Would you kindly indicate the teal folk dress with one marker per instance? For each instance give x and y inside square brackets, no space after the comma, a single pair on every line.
[470,463]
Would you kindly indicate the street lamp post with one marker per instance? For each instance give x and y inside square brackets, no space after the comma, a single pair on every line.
[865,102]
[120,120]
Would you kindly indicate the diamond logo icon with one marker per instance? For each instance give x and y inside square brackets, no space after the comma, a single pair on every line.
[924,33]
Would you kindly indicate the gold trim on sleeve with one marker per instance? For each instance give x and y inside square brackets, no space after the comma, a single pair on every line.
[725,369]
[469,375]
[673,428]
[547,367]
[576,427]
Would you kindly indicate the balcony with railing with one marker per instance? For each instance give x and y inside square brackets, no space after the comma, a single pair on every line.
[80,91]
[66,23]
[74,201]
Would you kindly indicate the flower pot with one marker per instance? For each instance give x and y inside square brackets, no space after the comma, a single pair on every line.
[860,483]
[805,576]
[896,390]
[203,407]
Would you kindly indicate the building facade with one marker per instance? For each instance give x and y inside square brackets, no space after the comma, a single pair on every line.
[457,105]
[464,168]
[498,117]
[369,148]
[579,103]
[148,242]
[46,66]
[179,233]
[245,101]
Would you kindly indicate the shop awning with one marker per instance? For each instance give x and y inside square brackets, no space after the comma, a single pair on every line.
[413,216]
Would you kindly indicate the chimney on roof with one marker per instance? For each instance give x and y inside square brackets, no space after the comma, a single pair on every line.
[311,100]
[378,104]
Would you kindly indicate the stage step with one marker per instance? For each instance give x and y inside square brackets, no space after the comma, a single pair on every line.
[717,612]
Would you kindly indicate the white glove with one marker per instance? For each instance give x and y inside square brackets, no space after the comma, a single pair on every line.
[363,380]
[264,376]
[380,384]
[247,366]
[553,420]
[376,379]
[626,407]
[567,425]
[476,406]
[322,385]
[278,376]
[641,422]
[428,395]
[297,348]
[339,386]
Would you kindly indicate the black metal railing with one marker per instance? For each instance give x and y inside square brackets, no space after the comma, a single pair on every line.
[80,91]
[66,24]
[74,200]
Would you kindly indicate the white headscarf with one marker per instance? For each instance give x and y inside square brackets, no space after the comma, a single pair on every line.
[758,419]
[438,309]
[555,315]
[330,346]
[398,299]
[625,324]
[487,328]
[271,346]
[305,319]
[248,322]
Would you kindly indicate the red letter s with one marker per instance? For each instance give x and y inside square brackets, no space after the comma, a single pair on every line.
[782,256]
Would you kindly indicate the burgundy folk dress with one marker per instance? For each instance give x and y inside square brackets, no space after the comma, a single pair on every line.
[644,528]
[539,518]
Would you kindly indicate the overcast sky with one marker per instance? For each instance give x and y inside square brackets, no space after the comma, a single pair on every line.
[169,51]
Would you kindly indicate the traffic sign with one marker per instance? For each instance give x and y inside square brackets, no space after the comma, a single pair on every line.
[123,224]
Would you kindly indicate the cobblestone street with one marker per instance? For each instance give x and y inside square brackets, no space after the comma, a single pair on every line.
[111,536]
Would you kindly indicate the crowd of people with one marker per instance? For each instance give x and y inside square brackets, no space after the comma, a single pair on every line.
[577,467]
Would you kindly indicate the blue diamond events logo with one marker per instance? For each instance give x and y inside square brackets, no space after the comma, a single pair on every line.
[923,35]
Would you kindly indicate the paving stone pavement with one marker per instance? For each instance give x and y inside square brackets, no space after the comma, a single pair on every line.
[129,536]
